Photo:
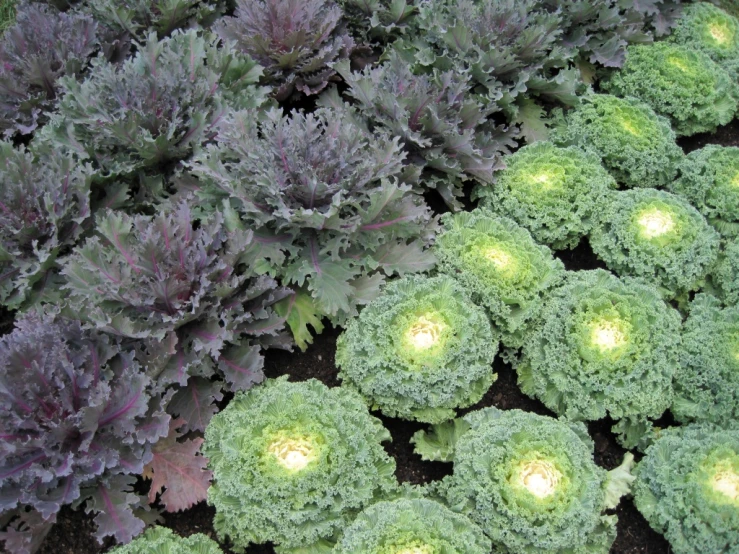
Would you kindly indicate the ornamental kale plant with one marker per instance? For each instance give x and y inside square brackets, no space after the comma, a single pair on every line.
[419,333]
[635,144]
[161,540]
[554,192]
[78,420]
[706,384]
[723,280]
[294,463]
[679,82]
[529,481]
[324,190]
[42,46]
[444,129]
[155,107]
[501,265]
[412,526]
[606,347]
[709,180]
[708,28]
[43,207]
[657,236]
[378,21]
[189,292]
[687,488]
[296,41]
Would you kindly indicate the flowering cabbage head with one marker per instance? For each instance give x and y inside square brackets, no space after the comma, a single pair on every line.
[161,540]
[501,265]
[293,463]
[418,333]
[679,82]
[605,347]
[657,236]
[412,526]
[708,28]
[687,488]
[709,180]
[635,144]
[529,481]
[555,192]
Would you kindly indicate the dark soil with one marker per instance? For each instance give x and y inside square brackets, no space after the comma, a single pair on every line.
[73,534]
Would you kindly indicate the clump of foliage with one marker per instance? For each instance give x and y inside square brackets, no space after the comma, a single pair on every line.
[529,481]
[156,106]
[189,292]
[606,347]
[324,190]
[443,128]
[378,21]
[706,384]
[709,180]
[710,29]
[138,18]
[724,278]
[687,488]
[419,333]
[296,41]
[635,144]
[554,192]
[44,205]
[79,423]
[293,463]
[657,236]
[161,540]
[680,82]
[412,526]
[42,46]
[501,265]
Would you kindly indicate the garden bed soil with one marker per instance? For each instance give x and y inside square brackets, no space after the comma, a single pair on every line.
[73,533]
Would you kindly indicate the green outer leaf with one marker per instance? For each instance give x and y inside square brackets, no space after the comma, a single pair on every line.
[671,493]
[373,356]
[299,310]
[483,485]
[635,380]
[724,278]
[676,261]
[161,540]
[438,443]
[511,299]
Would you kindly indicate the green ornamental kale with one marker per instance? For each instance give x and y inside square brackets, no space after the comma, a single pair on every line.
[160,540]
[687,488]
[324,190]
[155,107]
[296,41]
[554,192]
[679,82]
[636,145]
[657,236]
[501,265]
[529,481]
[444,129]
[44,205]
[412,526]
[605,347]
[708,28]
[707,381]
[293,463]
[420,350]
[723,280]
[709,180]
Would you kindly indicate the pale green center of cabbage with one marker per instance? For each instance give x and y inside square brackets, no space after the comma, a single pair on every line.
[735,181]
[720,33]
[655,223]
[607,335]
[544,180]
[539,477]
[629,127]
[680,63]
[498,257]
[425,332]
[293,453]
[726,482]
[415,550]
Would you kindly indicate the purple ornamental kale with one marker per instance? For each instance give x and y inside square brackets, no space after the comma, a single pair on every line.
[189,292]
[41,47]
[76,419]
[296,41]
